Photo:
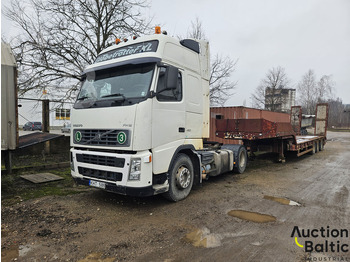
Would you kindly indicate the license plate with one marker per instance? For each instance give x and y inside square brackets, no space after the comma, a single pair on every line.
[97,184]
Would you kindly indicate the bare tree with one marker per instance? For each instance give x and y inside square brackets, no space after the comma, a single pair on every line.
[220,83]
[196,30]
[59,38]
[336,115]
[307,92]
[222,68]
[269,94]
[311,91]
[325,88]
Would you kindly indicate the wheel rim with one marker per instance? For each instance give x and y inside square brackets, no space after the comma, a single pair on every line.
[183,177]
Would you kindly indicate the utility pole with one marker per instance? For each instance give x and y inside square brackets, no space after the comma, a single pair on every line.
[46,115]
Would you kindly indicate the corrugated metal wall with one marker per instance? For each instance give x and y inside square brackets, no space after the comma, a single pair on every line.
[241,112]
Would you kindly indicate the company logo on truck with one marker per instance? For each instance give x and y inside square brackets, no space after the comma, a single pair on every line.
[150,46]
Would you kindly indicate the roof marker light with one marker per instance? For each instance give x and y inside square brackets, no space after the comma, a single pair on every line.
[117,41]
[157,30]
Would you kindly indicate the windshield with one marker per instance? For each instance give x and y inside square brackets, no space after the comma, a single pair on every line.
[117,86]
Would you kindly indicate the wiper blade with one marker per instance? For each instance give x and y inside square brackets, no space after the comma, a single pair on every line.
[83,98]
[114,95]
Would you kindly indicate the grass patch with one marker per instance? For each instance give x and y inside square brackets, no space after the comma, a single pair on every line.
[15,189]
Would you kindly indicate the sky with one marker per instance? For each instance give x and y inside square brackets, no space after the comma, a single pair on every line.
[297,35]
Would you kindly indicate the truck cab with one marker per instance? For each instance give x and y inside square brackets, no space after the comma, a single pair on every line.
[140,118]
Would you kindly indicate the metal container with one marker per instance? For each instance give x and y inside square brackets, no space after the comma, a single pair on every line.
[241,112]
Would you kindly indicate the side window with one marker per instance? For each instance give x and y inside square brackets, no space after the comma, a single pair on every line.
[164,94]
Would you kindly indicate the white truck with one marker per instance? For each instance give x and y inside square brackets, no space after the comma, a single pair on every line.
[141,119]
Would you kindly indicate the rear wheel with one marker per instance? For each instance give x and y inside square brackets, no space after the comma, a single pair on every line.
[241,161]
[320,145]
[181,177]
[314,148]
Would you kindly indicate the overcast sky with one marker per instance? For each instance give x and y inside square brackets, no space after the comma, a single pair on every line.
[296,34]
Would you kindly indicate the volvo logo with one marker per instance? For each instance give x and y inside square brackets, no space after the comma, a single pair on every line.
[98,136]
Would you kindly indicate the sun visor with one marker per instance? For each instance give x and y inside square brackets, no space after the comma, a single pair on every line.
[136,61]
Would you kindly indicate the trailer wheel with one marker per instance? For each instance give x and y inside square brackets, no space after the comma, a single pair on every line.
[314,148]
[181,177]
[320,145]
[241,161]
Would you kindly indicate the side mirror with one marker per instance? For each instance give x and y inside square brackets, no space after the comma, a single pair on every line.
[171,77]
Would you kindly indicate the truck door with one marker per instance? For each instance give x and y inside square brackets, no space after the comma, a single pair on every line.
[168,119]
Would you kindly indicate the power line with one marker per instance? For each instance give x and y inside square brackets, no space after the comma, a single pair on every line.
[24,118]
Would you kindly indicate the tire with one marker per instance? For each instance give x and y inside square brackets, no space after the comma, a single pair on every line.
[320,146]
[181,176]
[314,148]
[241,161]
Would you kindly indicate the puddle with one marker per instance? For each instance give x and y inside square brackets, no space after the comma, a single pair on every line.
[203,238]
[283,201]
[24,249]
[10,254]
[16,252]
[252,216]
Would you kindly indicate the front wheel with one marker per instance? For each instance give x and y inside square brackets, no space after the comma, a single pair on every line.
[181,177]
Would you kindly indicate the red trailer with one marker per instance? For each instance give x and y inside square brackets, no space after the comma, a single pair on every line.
[261,134]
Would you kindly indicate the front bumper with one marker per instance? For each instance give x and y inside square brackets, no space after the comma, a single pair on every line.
[123,190]
[112,170]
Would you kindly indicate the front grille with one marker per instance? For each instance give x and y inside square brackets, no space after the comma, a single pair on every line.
[100,174]
[101,137]
[101,160]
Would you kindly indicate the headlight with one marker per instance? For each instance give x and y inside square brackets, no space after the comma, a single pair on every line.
[135,169]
